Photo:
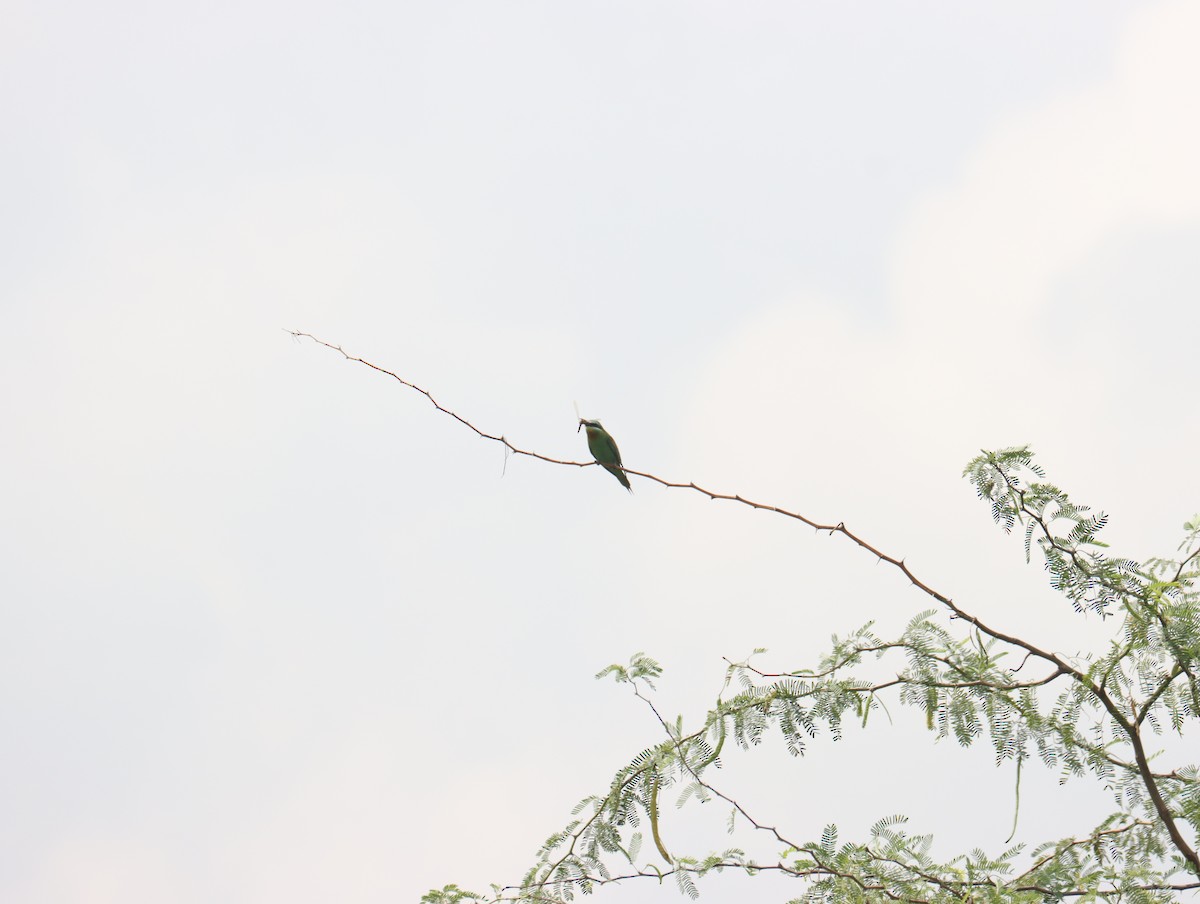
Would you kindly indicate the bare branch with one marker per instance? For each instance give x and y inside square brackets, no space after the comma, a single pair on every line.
[839,528]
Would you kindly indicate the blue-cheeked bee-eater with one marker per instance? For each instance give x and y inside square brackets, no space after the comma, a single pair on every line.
[604,449]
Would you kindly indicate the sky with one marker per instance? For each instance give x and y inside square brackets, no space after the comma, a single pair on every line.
[273,628]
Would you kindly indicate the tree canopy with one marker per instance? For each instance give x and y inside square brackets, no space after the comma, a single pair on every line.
[1096,714]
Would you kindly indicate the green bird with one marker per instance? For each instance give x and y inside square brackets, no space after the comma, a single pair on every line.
[604,449]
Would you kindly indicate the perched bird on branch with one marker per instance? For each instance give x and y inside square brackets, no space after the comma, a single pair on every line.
[604,449]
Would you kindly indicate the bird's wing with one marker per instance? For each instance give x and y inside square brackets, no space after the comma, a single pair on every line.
[612,447]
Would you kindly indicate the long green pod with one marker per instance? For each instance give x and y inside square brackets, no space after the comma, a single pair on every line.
[654,816]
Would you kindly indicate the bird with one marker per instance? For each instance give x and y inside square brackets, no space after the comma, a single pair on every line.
[604,449]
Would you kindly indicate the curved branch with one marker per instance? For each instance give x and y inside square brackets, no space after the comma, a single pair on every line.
[839,528]
[1061,666]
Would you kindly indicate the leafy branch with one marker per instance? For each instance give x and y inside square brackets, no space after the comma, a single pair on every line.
[1144,682]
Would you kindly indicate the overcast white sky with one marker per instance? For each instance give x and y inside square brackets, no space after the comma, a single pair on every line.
[273,629]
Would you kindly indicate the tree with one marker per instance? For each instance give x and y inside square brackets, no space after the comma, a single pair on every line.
[1097,714]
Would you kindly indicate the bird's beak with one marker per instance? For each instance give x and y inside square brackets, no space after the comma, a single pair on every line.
[580,427]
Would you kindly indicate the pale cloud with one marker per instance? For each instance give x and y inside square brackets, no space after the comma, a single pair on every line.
[105,871]
[1048,185]
[973,269]
[869,419]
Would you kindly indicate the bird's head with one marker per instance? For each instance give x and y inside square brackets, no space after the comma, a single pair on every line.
[590,424]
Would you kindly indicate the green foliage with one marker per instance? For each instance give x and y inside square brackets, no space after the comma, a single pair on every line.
[451,894]
[1091,715]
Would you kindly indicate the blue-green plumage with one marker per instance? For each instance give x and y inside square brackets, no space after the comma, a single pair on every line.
[604,449]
